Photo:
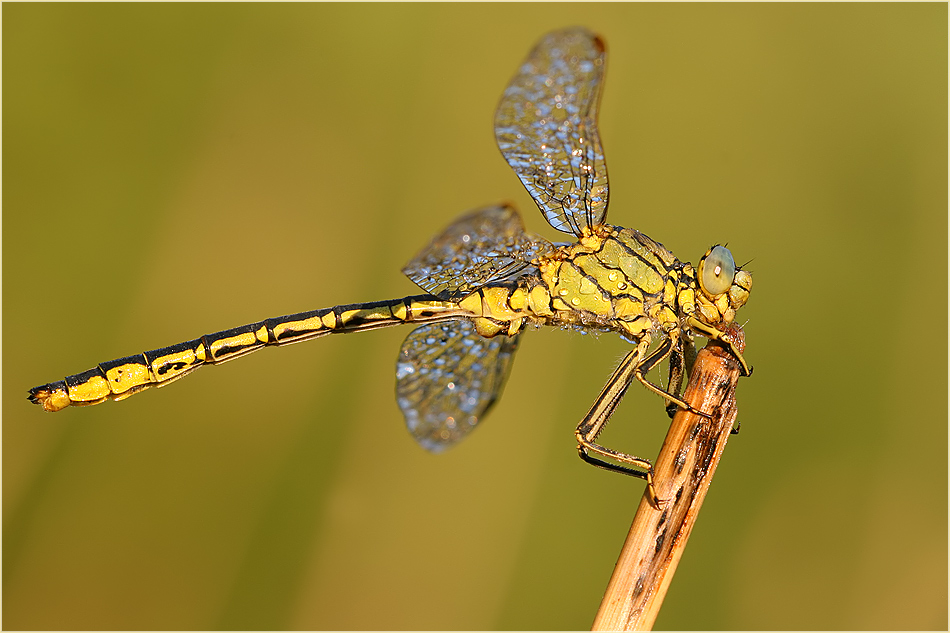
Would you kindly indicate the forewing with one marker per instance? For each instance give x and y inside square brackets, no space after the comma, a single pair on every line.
[546,128]
[485,246]
[447,377]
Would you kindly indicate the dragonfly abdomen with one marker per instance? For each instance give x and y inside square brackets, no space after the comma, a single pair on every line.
[120,378]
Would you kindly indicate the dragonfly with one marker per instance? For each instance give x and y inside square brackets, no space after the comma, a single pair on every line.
[486,280]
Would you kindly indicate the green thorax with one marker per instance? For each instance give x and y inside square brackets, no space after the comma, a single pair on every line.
[614,278]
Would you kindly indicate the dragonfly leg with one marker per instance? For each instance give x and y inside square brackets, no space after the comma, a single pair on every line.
[645,474]
[656,357]
[682,358]
[596,419]
[713,334]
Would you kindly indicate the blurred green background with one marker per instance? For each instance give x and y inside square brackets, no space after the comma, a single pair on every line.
[174,169]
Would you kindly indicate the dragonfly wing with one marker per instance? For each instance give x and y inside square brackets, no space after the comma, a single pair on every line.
[447,378]
[485,246]
[546,128]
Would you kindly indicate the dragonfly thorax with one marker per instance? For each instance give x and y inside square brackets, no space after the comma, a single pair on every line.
[614,279]
[617,279]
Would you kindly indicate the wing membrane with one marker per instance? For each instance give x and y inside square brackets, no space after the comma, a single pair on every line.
[546,128]
[447,377]
[486,246]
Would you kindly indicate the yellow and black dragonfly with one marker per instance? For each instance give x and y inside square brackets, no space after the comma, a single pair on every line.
[486,279]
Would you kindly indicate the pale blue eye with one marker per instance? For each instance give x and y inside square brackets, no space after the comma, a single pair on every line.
[718,271]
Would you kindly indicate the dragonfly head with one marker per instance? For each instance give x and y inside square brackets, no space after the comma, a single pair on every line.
[724,287]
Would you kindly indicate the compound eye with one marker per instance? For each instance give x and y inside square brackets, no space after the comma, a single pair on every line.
[718,271]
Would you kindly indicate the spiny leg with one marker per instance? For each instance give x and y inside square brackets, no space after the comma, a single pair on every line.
[682,357]
[716,335]
[595,420]
[663,350]
[677,370]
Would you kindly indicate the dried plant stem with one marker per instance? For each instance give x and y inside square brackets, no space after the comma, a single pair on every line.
[684,470]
